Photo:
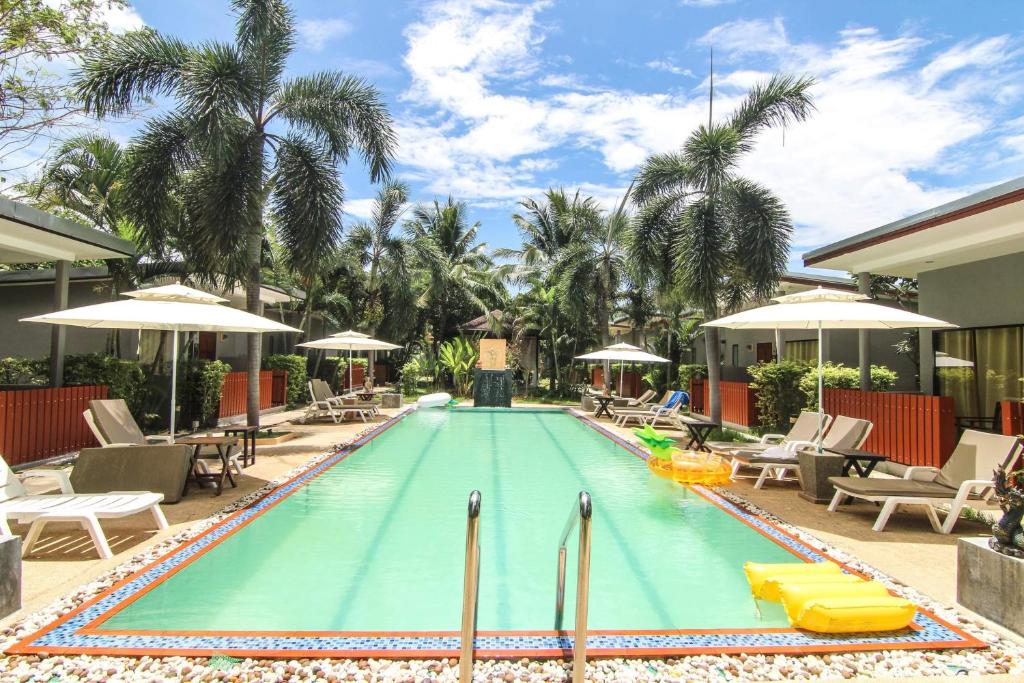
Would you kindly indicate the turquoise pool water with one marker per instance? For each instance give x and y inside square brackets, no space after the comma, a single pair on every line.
[376,543]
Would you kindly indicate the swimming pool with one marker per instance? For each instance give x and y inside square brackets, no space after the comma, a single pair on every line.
[363,553]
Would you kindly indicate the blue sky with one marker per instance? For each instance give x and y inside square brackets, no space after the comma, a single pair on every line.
[918,102]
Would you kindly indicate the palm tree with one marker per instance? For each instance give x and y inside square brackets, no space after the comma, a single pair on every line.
[539,310]
[241,137]
[85,179]
[724,237]
[384,255]
[596,262]
[549,226]
[460,277]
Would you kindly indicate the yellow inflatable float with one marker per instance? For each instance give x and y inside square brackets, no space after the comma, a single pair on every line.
[819,597]
[685,467]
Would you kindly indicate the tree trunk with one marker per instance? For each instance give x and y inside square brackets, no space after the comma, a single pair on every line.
[711,346]
[554,357]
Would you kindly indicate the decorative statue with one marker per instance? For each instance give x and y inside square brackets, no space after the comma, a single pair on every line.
[1007,533]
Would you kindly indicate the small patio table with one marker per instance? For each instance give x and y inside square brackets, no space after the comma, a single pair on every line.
[365,395]
[602,405]
[862,462]
[224,445]
[699,431]
[248,434]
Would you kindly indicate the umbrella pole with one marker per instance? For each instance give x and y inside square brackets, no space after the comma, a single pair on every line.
[350,369]
[174,378]
[622,375]
[821,391]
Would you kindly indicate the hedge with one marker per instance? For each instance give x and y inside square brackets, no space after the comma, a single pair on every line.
[297,377]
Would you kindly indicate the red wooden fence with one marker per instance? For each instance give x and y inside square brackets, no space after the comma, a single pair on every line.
[42,423]
[739,401]
[911,429]
[631,381]
[1012,417]
[236,385]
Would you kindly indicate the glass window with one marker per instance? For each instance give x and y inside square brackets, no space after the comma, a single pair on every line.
[735,355]
[979,367]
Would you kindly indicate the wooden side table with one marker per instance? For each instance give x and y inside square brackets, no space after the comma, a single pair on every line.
[248,434]
[224,445]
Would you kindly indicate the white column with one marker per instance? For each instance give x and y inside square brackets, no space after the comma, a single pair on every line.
[60,302]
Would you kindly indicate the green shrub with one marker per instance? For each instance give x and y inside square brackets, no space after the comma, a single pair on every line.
[23,371]
[297,377]
[202,384]
[688,372]
[838,376]
[779,395]
[410,376]
[124,377]
[459,356]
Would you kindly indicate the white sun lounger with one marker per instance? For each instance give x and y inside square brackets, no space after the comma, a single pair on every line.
[67,506]
[968,471]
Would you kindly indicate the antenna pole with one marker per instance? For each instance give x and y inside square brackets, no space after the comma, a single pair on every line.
[711,91]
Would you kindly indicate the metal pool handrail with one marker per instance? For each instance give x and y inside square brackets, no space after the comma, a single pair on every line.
[580,513]
[470,587]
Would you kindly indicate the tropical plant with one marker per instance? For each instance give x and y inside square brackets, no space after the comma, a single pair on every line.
[549,226]
[459,356]
[241,137]
[779,395]
[295,366]
[539,311]
[458,278]
[722,237]
[35,102]
[388,306]
[85,180]
[838,376]
[595,263]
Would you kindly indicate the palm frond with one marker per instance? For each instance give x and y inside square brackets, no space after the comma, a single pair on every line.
[779,101]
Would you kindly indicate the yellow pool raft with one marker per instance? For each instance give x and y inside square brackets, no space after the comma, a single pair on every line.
[819,597]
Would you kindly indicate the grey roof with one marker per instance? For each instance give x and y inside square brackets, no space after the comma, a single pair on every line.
[62,227]
[815,277]
[955,206]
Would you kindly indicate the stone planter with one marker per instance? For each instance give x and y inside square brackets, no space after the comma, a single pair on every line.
[278,438]
[10,575]
[391,401]
[989,583]
[815,469]
[587,404]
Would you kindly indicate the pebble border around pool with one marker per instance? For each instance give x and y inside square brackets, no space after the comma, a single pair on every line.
[71,633]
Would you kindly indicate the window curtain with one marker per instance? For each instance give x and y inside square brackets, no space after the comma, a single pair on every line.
[958,382]
[805,350]
[997,354]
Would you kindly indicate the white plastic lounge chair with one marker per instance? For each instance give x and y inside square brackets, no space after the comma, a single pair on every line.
[322,405]
[667,413]
[622,415]
[640,401]
[324,391]
[67,506]
[846,432]
[805,428]
[113,425]
[968,471]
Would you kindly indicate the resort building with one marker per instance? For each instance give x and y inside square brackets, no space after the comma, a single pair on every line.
[968,258]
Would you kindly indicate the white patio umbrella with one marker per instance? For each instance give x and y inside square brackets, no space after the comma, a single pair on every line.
[623,353]
[825,309]
[353,341]
[171,307]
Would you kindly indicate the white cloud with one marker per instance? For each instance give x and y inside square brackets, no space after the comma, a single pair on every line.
[889,113]
[666,65]
[359,209]
[314,34]
[121,19]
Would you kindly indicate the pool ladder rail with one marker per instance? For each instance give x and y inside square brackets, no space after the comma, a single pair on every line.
[580,515]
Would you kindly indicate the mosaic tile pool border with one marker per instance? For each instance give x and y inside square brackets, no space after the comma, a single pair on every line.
[76,632]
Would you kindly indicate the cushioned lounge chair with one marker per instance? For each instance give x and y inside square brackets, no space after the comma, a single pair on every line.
[162,468]
[668,414]
[968,471]
[324,390]
[622,416]
[805,428]
[113,425]
[845,432]
[325,404]
[84,508]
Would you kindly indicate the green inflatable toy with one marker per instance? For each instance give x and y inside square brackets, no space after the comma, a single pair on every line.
[659,444]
